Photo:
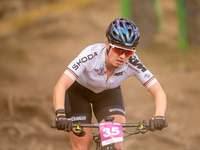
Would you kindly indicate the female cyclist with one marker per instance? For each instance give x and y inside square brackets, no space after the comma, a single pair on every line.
[92,81]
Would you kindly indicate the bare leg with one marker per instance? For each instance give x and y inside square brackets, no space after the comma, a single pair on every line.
[81,143]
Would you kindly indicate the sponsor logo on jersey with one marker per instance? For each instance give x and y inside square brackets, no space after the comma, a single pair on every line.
[116,109]
[134,69]
[100,71]
[118,74]
[75,118]
[137,63]
[84,60]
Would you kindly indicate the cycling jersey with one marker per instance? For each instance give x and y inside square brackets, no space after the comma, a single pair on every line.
[89,70]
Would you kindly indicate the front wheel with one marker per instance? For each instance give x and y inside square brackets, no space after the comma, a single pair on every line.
[109,147]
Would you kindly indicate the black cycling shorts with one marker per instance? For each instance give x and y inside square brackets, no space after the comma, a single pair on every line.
[80,101]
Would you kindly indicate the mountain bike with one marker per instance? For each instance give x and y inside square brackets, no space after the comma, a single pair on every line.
[110,132]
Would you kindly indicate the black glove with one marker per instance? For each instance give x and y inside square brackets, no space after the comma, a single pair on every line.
[63,123]
[157,123]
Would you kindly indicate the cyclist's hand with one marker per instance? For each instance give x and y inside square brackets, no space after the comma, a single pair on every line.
[63,123]
[157,123]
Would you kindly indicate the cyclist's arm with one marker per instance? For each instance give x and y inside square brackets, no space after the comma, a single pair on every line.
[160,98]
[60,89]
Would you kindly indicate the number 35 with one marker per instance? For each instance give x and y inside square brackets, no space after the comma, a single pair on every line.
[114,131]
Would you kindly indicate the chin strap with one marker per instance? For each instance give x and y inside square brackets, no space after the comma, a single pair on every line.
[108,50]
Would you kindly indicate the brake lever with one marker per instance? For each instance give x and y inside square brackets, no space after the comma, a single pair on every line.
[142,128]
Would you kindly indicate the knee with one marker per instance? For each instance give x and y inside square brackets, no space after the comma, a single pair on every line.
[82,146]
[82,143]
[119,146]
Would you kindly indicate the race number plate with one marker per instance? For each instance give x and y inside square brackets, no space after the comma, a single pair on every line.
[111,132]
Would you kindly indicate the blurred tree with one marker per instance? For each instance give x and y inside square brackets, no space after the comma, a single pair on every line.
[159,15]
[182,25]
[193,19]
[126,8]
[145,17]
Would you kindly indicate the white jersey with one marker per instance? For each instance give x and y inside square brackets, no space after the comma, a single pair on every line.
[89,70]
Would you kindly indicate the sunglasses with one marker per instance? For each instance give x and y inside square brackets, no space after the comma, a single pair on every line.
[120,50]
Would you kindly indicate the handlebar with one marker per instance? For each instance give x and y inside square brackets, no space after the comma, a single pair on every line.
[96,125]
[139,127]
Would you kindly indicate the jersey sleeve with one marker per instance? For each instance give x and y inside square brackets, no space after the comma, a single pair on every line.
[141,72]
[81,63]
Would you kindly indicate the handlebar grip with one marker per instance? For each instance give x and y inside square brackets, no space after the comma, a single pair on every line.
[166,124]
[53,125]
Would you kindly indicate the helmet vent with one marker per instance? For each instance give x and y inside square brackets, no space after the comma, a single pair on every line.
[121,24]
[129,32]
[117,36]
[128,23]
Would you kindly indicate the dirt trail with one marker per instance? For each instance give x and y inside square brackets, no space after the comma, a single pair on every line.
[32,60]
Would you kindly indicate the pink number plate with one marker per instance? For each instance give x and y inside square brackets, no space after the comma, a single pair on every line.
[111,132]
